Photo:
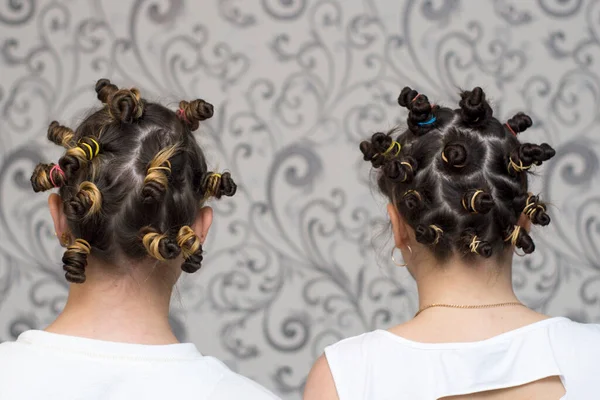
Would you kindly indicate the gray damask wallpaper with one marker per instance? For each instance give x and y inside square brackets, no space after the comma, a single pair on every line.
[291,264]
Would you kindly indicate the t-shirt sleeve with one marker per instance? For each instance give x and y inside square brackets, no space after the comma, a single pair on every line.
[348,366]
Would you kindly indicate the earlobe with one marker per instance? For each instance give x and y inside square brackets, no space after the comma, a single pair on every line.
[55,206]
[203,223]
[524,222]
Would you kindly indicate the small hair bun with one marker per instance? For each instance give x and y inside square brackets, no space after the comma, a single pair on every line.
[195,111]
[105,90]
[159,246]
[429,235]
[455,155]
[75,260]
[519,122]
[474,107]
[477,201]
[401,171]
[126,106]
[60,135]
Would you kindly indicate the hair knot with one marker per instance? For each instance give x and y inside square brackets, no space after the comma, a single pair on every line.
[75,260]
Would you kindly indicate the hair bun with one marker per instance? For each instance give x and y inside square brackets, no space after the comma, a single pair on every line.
[474,107]
[477,201]
[126,106]
[159,246]
[455,155]
[195,111]
[228,186]
[519,122]
[87,202]
[420,111]
[429,235]
[412,201]
[402,171]
[535,154]
[407,95]
[60,135]
[105,90]
[75,260]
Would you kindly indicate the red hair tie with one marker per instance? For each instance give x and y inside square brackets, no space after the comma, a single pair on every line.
[416,97]
[510,129]
[181,114]
[56,167]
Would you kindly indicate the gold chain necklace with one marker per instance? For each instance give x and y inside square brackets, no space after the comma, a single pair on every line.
[513,303]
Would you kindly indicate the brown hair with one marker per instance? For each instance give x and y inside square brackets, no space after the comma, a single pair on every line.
[132,180]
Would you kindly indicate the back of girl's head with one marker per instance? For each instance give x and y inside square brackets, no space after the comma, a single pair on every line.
[459,177]
[132,180]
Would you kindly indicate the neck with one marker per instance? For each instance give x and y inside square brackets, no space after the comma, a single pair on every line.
[130,307]
[460,283]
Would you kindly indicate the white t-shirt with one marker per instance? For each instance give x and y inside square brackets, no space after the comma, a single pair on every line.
[380,365]
[43,365]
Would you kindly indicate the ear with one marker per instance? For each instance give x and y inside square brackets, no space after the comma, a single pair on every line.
[524,222]
[61,227]
[399,227]
[203,222]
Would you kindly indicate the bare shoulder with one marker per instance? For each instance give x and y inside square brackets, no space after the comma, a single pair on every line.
[320,384]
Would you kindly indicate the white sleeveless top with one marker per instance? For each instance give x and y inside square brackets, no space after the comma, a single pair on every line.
[380,365]
[43,365]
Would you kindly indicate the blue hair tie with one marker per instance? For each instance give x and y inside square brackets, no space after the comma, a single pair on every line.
[428,122]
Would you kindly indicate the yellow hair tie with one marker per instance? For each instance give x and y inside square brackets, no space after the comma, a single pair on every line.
[80,246]
[464,204]
[408,165]
[151,242]
[183,237]
[415,192]
[438,233]
[167,168]
[97,146]
[446,160]
[91,155]
[444,157]
[389,149]
[475,244]
[517,168]
[514,235]
[532,207]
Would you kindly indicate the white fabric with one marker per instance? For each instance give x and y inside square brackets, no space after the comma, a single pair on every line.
[42,365]
[380,365]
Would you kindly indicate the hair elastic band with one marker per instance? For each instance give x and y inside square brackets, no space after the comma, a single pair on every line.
[183,237]
[167,168]
[446,161]
[428,122]
[475,245]
[389,149]
[438,233]
[518,168]
[415,98]
[464,203]
[56,167]
[415,193]
[532,207]
[181,114]
[408,165]
[93,153]
[510,129]
[514,235]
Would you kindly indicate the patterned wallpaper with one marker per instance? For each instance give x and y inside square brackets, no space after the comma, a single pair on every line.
[300,257]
